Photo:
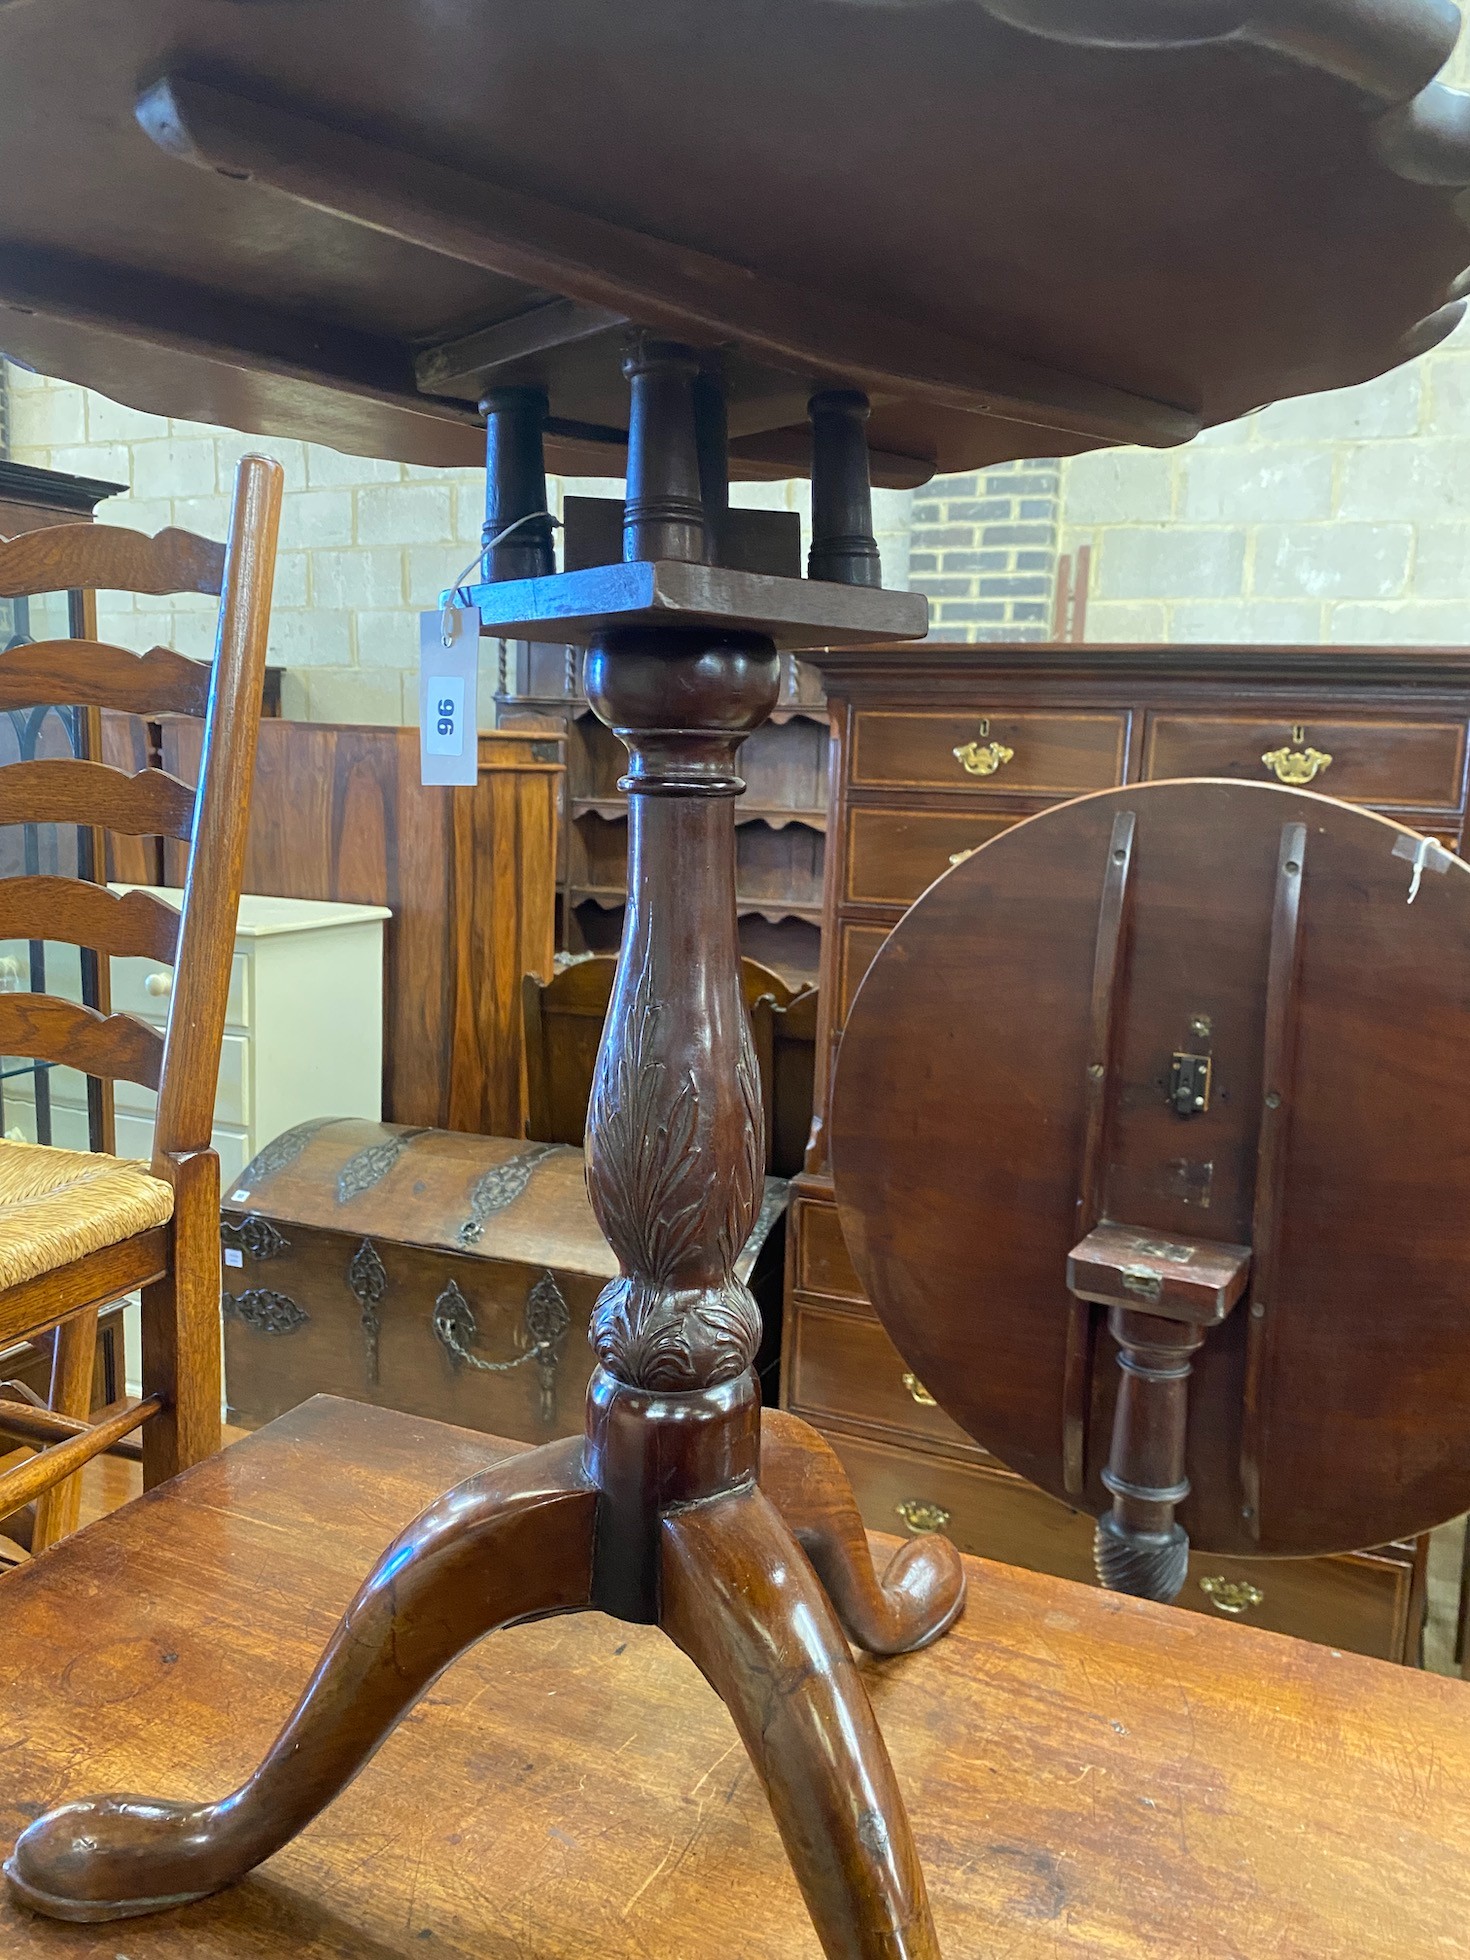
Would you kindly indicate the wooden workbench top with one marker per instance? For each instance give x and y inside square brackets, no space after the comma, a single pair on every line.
[1088,1774]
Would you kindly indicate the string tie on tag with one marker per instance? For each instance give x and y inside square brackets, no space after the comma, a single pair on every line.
[459,593]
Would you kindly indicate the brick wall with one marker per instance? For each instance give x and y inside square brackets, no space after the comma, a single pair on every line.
[364,545]
[1332,518]
[984,548]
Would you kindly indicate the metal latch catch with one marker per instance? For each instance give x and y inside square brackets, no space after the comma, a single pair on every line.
[1189,1084]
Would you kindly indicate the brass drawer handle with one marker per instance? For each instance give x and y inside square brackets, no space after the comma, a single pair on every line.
[983,759]
[917,1390]
[919,1516]
[1232,1596]
[1296,763]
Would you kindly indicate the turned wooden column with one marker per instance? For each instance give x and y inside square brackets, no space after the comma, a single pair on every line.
[1139,1548]
[675,1140]
[515,485]
[663,510]
[843,549]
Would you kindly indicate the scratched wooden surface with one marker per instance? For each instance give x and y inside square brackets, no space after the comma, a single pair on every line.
[1088,1775]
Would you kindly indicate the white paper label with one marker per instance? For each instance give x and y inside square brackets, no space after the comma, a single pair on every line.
[233,1256]
[449,660]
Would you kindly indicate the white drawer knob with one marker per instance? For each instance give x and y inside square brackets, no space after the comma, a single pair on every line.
[158,984]
[9,974]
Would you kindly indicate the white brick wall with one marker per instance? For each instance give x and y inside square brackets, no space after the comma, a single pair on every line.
[1341,517]
[365,545]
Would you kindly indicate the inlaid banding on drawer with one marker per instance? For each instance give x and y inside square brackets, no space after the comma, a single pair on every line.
[860,945]
[894,855]
[1409,765]
[823,1264]
[1040,752]
[847,1367]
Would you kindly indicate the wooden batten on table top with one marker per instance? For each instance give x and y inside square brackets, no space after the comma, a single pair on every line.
[1086,1773]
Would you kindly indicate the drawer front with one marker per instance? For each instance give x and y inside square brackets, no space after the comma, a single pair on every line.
[144,987]
[1359,1602]
[1416,765]
[232,1097]
[846,1366]
[1037,752]
[894,855]
[858,947]
[822,1261]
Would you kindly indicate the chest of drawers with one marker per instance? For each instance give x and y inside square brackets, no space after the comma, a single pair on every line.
[935,750]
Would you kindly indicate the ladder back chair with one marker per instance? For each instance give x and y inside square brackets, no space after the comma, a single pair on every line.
[79,1230]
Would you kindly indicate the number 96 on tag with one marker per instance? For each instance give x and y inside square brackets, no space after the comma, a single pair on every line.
[444,730]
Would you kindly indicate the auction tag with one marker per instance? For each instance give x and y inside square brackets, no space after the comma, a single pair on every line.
[449,664]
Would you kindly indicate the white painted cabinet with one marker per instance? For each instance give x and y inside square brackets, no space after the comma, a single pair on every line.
[303,1029]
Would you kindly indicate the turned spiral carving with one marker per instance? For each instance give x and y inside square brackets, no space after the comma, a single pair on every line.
[1147,1565]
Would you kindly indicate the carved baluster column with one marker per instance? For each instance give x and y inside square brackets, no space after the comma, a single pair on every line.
[675,1143]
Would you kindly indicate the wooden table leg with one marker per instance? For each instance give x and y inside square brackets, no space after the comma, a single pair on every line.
[658,1518]
[512,1543]
[745,1606]
[922,1591]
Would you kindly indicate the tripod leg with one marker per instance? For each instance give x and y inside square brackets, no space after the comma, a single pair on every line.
[922,1591]
[513,1543]
[745,1606]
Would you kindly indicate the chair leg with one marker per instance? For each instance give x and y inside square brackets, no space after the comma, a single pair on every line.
[73,1360]
[922,1591]
[746,1608]
[181,1329]
[513,1543]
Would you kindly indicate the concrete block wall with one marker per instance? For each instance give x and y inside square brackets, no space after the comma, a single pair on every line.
[365,545]
[984,548]
[1332,518]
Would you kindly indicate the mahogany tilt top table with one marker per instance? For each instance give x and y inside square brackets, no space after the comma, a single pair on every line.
[682,242]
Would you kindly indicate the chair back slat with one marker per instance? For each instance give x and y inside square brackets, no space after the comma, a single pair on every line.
[105,558]
[72,912]
[90,673]
[150,804]
[44,1028]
